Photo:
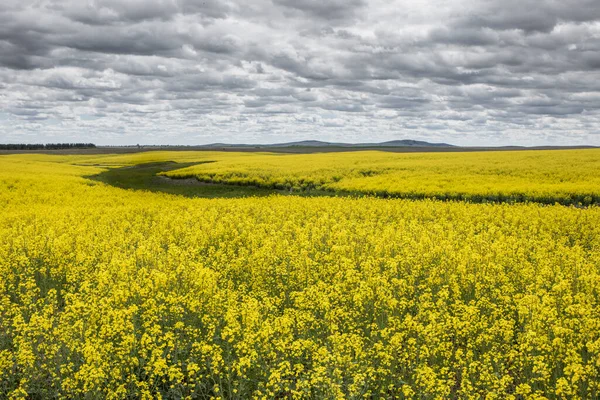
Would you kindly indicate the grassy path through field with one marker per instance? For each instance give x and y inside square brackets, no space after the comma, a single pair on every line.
[145,177]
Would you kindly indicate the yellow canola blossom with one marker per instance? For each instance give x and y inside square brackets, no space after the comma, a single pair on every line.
[109,293]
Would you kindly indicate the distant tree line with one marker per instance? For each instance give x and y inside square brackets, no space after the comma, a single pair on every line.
[48,146]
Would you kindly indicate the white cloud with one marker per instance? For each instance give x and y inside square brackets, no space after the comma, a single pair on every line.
[197,71]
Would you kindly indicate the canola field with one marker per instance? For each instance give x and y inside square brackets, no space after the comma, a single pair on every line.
[113,293]
[542,176]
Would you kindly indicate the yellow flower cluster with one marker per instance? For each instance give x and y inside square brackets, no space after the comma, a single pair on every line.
[109,293]
[569,176]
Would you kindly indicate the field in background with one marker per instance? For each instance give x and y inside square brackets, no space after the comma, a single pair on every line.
[567,177]
[113,293]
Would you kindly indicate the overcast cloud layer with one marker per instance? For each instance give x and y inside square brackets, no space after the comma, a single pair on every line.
[471,72]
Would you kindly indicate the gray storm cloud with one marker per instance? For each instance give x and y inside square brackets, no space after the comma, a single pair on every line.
[471,72]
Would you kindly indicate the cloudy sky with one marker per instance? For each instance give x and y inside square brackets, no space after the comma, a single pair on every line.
[467,72]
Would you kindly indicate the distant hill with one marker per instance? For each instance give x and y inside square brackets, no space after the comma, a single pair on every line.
[318,143]
[409,143]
